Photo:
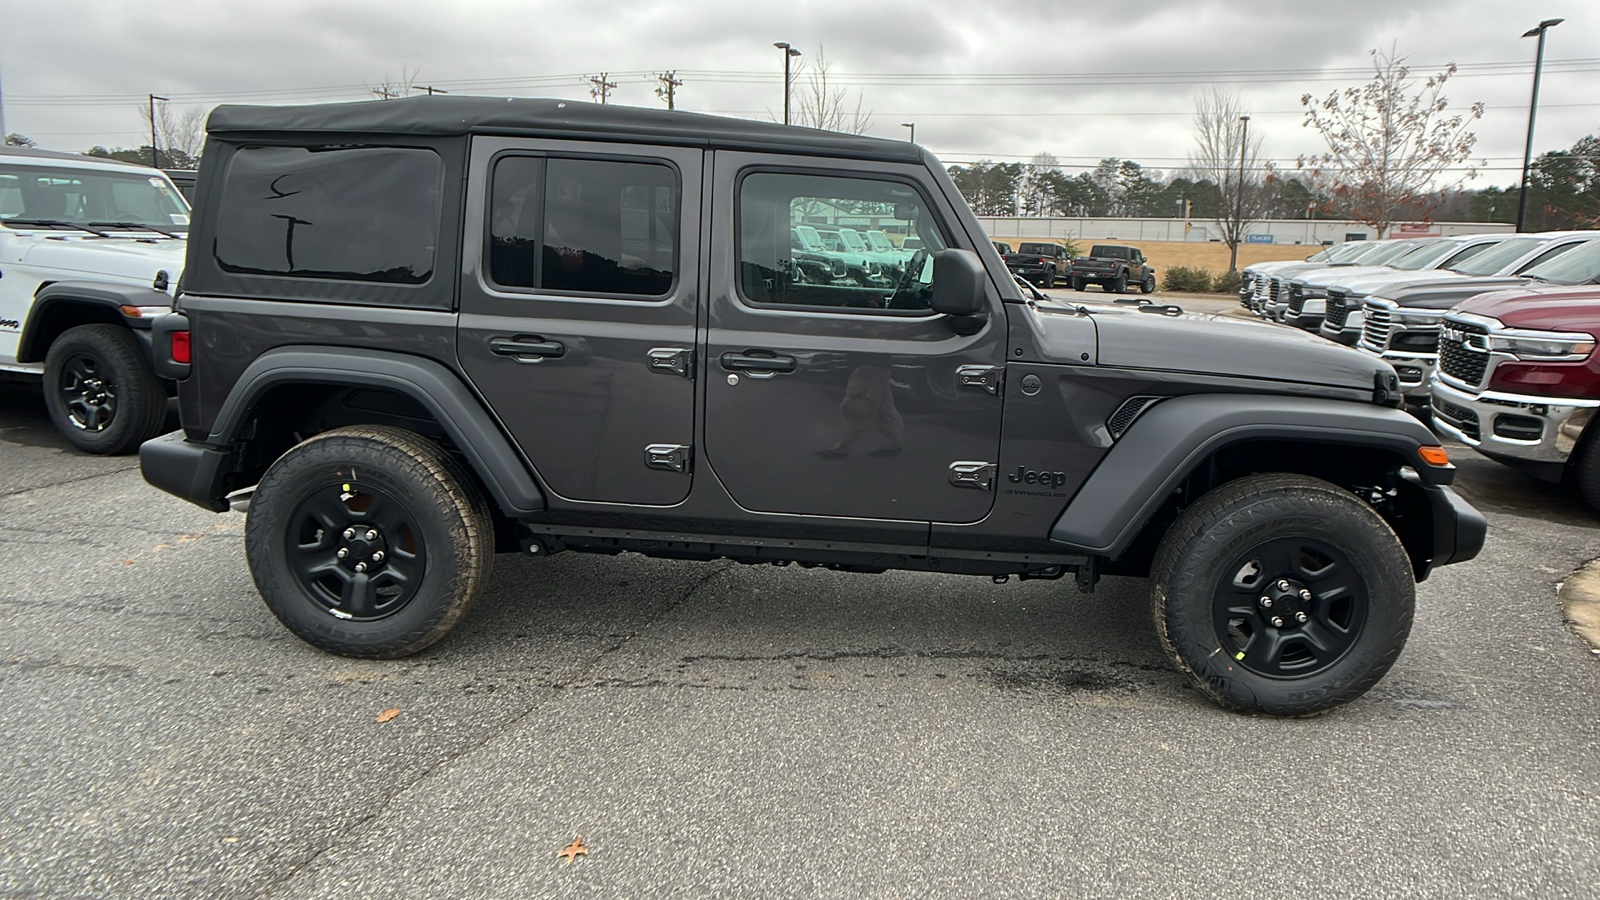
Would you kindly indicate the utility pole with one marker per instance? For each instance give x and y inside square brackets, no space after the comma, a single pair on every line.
[913,127]
[383,93]
[155,161]
[433,90]
[602,88]
[669,84]
[1533,107]
[789,52]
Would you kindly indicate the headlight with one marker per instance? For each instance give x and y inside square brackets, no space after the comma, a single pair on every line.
[1543,346]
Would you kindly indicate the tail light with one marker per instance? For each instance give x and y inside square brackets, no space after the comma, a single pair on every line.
[180,347]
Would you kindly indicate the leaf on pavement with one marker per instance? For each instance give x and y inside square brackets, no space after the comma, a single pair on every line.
[573,850]
[388,714]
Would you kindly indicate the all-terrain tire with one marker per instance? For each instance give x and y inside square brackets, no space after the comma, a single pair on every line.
[1116,285]
[1587,468]
[100,391]
[1078,284]
[401,507]
[1049,278]
[1218,581]
[1148,286]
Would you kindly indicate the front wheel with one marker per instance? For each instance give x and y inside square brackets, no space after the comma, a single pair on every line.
[1148,286]
[368,541]
[1282,595]
[100,390]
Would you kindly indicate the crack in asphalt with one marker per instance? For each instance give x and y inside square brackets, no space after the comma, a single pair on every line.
[17,492]
[450,759]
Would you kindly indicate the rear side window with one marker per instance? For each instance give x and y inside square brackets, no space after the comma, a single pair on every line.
[366,214]
[584,226]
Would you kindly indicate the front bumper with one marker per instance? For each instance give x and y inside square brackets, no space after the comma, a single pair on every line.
[1458,530]
[1309,316]
[1349,333]
[1511,426]
[1415,371]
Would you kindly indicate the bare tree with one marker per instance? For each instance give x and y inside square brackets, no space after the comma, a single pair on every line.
[823,105]
[1391,143]
[394,89]
[181,135]
[1226,155]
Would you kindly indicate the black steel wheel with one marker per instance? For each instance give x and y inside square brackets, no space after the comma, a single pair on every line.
[369,541]
[1282,594]
[1049,278]
[1116,285]
[100,391]
[1148,285]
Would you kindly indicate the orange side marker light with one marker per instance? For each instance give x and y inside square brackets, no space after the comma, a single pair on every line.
[1434,456]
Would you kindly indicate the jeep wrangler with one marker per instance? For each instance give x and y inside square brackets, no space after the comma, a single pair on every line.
[90,252]
[415,333]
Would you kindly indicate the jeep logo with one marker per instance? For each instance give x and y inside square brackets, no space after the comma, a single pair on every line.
[1048,479]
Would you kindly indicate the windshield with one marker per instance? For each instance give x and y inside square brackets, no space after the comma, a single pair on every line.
[852,239]
[1497,257]
[880,241]
[809,238]
[1580,265]
[1425,256]
[1348,251]
[1382,254]
[89,196]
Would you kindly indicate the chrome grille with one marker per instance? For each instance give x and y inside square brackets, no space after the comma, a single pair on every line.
[1377,329]
[1464,363]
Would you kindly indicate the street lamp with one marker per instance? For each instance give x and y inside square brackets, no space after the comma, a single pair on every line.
[789,52]
[1533,106]
[913,127]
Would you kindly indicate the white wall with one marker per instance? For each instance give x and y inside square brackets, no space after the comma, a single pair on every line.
[1282,231]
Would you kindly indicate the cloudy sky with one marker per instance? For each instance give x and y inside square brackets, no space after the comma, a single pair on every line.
[1081,80]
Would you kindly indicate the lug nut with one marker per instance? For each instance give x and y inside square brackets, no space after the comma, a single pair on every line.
[361,567]
[377,557]
[343,552]
[1266,602]
[1305,594]
[1277,621]
[1300,617]
[372,534]
[349,533]
[1283,585]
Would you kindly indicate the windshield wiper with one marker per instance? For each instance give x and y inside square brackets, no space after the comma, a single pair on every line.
[170,234]
[54,223]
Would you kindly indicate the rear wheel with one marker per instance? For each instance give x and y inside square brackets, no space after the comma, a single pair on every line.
[1116,285]
[1049,278]
[368,541]
[1282,595]
[100,390]
[1079,284]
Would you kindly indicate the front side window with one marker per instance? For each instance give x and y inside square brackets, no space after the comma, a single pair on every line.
[793,251]
[366,214]
[584,226]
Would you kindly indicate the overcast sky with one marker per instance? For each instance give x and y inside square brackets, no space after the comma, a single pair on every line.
[1110,79]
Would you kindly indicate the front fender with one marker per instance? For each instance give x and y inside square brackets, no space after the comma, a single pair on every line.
[1165,444]
[53,300]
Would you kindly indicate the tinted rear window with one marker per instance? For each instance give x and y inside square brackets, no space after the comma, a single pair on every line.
[1105,251]
[348,213]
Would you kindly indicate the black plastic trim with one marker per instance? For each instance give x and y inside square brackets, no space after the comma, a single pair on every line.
[1459,529]
[96,293]
[435,387]
[161,329]
[185,469]
[1162,447]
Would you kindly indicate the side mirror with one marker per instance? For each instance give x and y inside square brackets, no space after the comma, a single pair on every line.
[958,283]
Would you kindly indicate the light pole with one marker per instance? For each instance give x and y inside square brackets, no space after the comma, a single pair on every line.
[155,161]
[913,127]
[1533,107]
[1238,196]
[789,52]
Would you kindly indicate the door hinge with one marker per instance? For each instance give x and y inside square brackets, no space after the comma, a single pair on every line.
[980,378]
[672,361]
[978,476]
[669,457]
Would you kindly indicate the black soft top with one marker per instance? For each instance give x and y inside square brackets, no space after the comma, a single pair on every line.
[437,115]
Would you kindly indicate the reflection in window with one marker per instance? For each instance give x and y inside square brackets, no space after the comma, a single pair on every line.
[812,240]
[586,226]
[348,213]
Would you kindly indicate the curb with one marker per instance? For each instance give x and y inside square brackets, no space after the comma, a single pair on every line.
[1580,603]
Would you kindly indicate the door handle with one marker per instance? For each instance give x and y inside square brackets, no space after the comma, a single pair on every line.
[751,362]
[529,350]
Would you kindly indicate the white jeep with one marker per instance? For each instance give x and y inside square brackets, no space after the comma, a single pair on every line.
[90,253]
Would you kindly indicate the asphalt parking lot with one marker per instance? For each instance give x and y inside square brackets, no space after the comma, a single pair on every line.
[717,730]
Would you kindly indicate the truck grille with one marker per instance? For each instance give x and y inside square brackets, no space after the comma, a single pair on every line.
[1274,288]
[1377,329]
[1338,310]
[1459,361]
[1463,419]
[1297,298]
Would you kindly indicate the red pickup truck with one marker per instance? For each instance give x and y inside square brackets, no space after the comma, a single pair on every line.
[1518,379]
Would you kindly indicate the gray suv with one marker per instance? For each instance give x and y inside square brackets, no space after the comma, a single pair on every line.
[416,333]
